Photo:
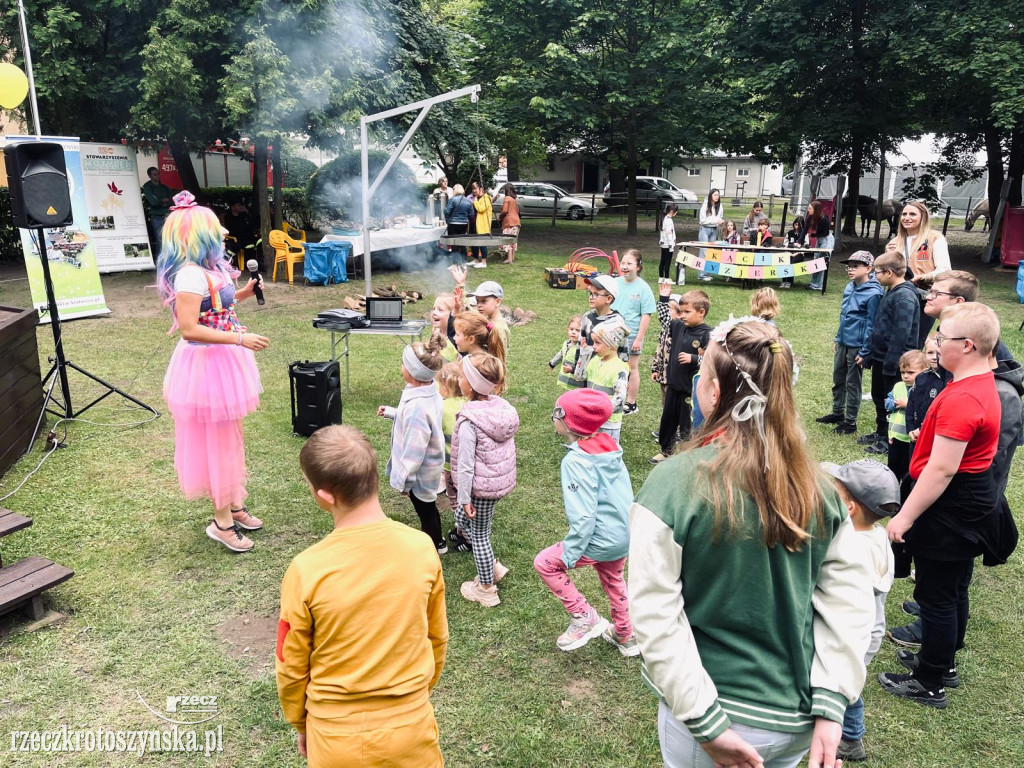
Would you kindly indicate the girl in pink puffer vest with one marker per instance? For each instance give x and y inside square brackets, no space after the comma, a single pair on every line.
[484,467]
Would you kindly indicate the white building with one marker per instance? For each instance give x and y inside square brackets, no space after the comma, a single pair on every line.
[734,176]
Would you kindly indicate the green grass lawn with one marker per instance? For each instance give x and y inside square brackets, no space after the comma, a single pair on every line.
[155,607]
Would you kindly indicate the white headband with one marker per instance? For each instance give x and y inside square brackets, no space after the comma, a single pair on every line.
[416,369]
[477,380]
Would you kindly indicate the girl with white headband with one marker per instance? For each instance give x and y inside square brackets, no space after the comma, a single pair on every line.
[417,440]
[484,465]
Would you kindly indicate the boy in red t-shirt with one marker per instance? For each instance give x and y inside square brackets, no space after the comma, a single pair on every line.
[948,518]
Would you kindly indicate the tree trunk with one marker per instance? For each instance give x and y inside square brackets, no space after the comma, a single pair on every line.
[512,166]
[278,183]
[994,162]
[1015,167]
[657,167]
[260,172]
[853,186]
[631,162]
[186,171]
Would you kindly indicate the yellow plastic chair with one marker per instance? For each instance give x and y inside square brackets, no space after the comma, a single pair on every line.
[286,250]
[231,246]
[293,232]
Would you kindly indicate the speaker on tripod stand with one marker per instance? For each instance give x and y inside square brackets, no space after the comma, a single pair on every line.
[316,395]
[37,179]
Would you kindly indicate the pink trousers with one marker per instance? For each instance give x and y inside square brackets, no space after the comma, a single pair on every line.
[555,573]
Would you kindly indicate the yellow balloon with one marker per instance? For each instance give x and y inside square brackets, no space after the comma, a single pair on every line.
[13,86]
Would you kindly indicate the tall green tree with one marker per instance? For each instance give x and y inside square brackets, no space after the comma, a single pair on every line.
[827,71]
[86,61]
[975,60]
[630,82]
[190,44]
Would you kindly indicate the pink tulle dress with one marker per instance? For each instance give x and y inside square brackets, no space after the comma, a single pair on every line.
[209,388]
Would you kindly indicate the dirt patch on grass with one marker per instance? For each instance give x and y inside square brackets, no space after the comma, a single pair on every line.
[580,690]
[252,640]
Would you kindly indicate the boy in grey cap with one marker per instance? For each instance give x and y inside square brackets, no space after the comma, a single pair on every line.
[871,492]
[851,345]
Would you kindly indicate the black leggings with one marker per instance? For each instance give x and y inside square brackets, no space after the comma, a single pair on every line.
[665,267]
[430,519]
[675,419]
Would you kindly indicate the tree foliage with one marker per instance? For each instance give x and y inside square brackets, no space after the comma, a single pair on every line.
[86,61]
[628,82]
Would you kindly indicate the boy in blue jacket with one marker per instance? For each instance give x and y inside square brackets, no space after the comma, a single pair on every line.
[851,345]
[598,494]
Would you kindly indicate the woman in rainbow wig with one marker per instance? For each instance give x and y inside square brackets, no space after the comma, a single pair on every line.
[212,381]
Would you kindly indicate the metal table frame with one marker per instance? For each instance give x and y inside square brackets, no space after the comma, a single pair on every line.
[411,330]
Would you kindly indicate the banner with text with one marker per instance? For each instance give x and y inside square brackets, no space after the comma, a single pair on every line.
[69,250]
[751,265]
[116,218]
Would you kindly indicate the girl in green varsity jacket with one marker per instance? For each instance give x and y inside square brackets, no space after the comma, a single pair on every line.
[749,590]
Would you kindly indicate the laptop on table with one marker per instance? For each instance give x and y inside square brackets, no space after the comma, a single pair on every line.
[384,311]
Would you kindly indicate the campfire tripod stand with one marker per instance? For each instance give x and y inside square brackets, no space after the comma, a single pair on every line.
[60,364]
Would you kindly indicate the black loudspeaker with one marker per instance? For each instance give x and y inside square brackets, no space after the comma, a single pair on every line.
[316,396]
[38,181]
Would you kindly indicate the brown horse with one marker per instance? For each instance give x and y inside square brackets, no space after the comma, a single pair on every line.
[868,208]
[979,210]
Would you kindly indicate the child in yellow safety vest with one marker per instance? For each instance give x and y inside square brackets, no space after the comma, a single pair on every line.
[911,364]
[608,373]
[565,359]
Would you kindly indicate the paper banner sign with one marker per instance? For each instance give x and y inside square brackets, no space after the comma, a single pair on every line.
[746,266]
[745,257]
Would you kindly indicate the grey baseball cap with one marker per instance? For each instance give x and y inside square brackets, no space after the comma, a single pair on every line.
[488,288]
[870,482]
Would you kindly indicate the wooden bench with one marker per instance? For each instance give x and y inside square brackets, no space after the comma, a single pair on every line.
[22,584]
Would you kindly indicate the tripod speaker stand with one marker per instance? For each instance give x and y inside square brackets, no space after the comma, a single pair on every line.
[40,199]
[59,364]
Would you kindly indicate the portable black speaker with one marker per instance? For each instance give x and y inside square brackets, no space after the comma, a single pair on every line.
[316,395]
[38,181]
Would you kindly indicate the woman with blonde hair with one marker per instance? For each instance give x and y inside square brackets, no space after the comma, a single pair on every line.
[926,252]
[746,577]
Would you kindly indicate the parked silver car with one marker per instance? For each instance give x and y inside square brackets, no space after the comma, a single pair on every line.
[537,198]
[653,192]
[665,185]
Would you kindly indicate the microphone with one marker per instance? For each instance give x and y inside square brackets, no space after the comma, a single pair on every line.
[254,272]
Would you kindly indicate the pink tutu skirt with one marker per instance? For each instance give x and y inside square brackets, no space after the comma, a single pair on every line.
[208,390]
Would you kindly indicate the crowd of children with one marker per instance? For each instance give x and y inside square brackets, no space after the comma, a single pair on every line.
[765,530]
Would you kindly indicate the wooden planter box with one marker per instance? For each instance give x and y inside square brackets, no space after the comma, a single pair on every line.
[21,392]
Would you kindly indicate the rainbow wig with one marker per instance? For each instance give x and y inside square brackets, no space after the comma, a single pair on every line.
[192,235]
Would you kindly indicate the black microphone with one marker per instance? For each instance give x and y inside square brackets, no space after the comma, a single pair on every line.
[254,272]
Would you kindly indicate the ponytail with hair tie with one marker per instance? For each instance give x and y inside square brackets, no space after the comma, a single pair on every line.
[490,326]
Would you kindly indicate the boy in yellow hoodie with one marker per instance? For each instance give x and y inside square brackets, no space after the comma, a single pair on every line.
[363,631]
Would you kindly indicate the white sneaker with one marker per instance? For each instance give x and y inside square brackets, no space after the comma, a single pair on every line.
[628,647]
[475,593]
[500,571]
[582,628]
